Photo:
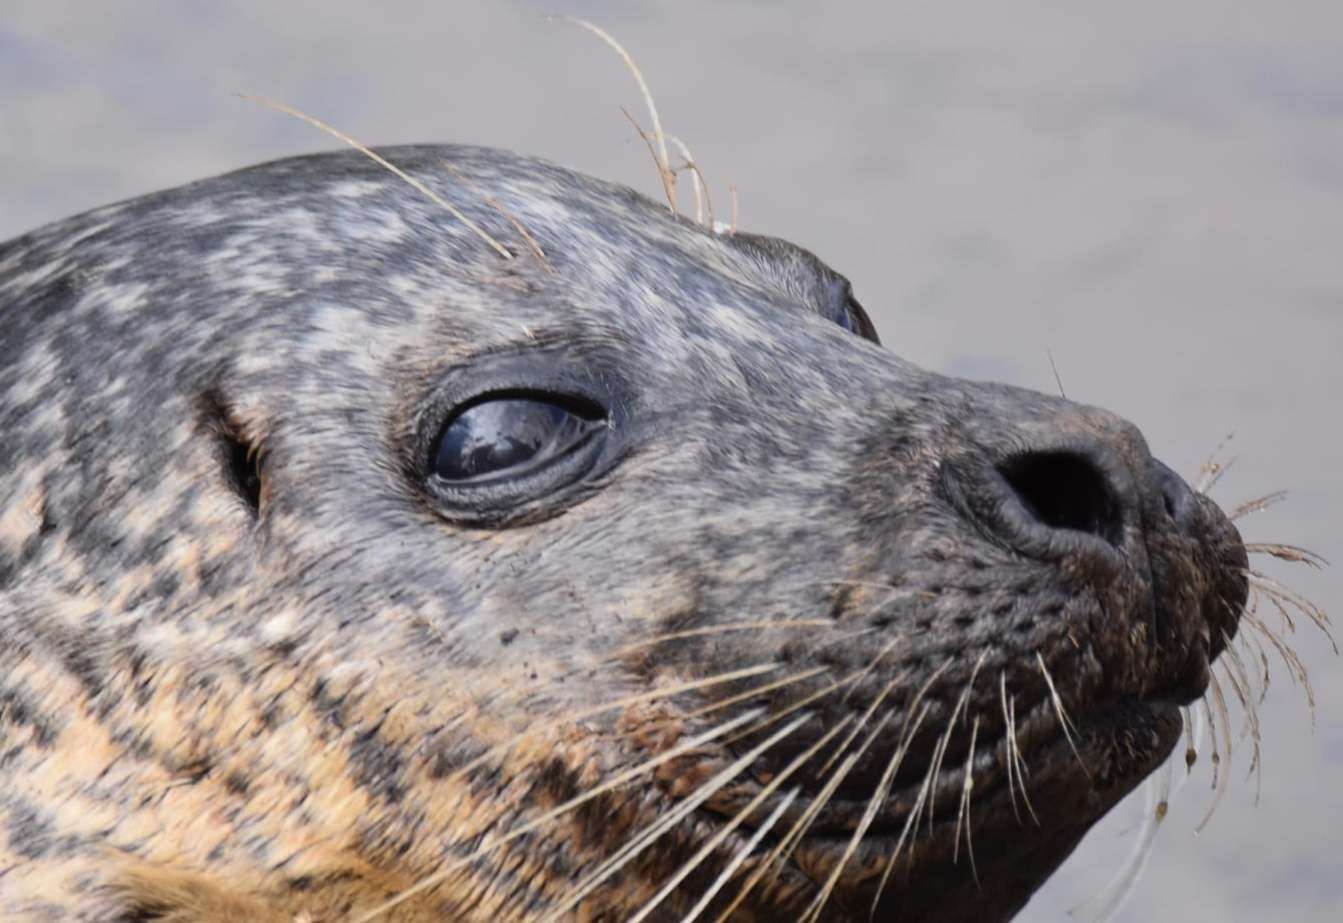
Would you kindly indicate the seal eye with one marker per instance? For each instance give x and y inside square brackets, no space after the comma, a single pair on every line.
[837,304]
[854,319]
[516,439]
[505,436]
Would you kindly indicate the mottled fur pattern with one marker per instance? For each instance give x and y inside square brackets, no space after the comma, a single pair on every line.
[252,667]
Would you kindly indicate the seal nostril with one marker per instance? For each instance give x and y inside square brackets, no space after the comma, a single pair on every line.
[1176,495]
[1064,490]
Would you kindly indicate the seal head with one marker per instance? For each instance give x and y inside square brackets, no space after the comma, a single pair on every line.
[348,566]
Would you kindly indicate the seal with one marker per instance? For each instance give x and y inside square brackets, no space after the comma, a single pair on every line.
[353,568]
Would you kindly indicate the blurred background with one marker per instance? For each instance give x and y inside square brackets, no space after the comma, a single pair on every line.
[1150,192]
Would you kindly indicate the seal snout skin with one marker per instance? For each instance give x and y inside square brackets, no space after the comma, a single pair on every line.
[1122,577]
[1089,495]
[345,560]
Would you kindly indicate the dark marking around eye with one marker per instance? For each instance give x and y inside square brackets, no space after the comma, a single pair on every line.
[510,435]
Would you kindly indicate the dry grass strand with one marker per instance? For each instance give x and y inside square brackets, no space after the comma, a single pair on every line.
[660,157]
[385,164]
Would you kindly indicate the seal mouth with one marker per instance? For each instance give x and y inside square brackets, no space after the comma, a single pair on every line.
[932,782]
[920,765]
[1019,771]
[1054,784]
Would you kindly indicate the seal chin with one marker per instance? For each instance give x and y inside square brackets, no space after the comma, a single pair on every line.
[863,855]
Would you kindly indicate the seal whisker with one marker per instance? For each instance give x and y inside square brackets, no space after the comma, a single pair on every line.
[1221,773]
[726,829]
[1284,596]
[1214,758]
[1014,757]
[1257,505]
[385,164]
[843,638]
[757,625]
[657,830]
[669,176]
[1022,770]
[1252,646]
[779,855]
[881,654]
[1158,794]
[1296,669]
[1242,684]
[940,751]
[536,823]
[757,691]
[627,702]
[910,823]
[1053,366]
[1294,554]
[741,855]
[1009,745]
[862,721]
[1064,721]
[700,185]
[874,802]
[935,764]
[778,716]
[1210,464]
[1288,622]
[963,810]
[1212,471]
[870,812]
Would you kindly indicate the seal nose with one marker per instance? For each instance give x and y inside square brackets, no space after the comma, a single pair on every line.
[1176,494]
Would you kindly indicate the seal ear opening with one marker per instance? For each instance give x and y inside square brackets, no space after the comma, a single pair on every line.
[241,457]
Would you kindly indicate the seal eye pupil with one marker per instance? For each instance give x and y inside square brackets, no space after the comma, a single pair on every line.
[509,436]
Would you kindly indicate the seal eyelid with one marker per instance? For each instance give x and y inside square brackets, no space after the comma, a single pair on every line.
[835,302]
[855,320]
